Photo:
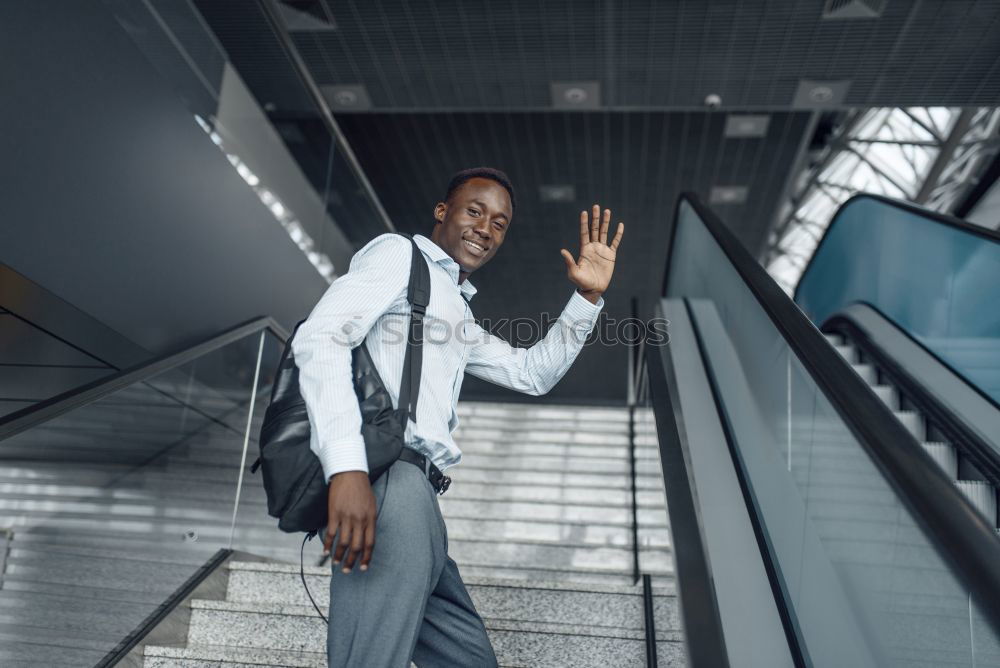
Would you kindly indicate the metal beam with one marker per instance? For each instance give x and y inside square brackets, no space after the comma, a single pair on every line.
[944,156]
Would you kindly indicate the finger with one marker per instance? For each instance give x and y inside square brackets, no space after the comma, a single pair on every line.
[568,257]
[327,538]
[604,226]
[618,236]
[595,221]
[366,557]
[357,545]
[584,229]
[342,542]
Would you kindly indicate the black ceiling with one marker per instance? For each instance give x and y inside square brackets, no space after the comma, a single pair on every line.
[458,84]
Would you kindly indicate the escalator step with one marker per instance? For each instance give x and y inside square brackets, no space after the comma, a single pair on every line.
[914,422]
[848,352]
[983,496]
[867,372]
[888,395]
[945,456]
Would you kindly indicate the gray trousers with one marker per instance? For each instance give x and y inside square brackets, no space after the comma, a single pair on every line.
[411,604]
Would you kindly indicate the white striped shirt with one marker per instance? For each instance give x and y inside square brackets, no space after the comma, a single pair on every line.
[370,301]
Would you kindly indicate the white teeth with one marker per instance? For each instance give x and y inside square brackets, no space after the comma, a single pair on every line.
[475,245]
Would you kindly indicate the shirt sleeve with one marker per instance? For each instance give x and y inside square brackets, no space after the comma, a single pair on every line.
[378,275]
[537,369]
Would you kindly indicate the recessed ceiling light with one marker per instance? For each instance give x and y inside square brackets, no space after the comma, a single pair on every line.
[728,195]
[347,98]
[820,94]
[853,9]
[557,193]
[746,125]
[576,95]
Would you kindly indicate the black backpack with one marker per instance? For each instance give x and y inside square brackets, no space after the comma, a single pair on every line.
[293,477]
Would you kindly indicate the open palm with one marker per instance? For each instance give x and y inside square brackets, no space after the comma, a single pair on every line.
[591,273]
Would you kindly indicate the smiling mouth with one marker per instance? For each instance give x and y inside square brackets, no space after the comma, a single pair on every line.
[474,248]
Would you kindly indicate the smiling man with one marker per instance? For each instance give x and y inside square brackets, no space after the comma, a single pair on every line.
[406,599]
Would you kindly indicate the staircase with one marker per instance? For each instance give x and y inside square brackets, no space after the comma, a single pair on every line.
[539,520]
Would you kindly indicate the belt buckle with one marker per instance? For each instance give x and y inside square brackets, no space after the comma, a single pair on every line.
[445,483]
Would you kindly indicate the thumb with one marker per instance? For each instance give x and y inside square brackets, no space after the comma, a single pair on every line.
[568,257]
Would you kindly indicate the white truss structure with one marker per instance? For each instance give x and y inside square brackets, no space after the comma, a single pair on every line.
[927,155]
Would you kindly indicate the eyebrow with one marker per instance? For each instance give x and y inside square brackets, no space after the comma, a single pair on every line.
[504,215]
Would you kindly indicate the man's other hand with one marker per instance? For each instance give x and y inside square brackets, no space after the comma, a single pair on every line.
[351,511]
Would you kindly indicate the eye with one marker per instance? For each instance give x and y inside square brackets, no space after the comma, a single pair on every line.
[472,212]
[499,224]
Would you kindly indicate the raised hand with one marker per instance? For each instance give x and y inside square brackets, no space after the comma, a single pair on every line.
[592,272]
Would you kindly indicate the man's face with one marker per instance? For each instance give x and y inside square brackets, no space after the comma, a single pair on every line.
[472,224]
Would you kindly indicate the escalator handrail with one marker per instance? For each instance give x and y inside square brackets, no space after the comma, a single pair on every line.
[28,417]
[962,537]
[933,216]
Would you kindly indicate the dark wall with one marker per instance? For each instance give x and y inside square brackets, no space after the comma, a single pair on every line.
[116,201]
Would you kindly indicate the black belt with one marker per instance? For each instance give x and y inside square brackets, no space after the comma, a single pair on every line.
[439,481]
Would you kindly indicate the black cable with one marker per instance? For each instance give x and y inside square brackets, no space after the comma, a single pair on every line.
[302,574]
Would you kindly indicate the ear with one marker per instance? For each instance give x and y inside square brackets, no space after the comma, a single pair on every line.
[439,212]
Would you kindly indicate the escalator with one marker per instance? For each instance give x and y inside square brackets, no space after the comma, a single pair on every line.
[832,494]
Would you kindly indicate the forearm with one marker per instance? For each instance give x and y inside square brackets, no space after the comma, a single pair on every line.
[537,369]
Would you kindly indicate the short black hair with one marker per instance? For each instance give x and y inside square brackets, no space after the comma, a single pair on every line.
[482,173]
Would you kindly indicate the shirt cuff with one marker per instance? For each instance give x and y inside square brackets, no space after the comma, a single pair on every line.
[343,456]
[579,309]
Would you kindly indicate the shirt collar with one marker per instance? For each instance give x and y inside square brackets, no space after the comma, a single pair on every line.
[437,254]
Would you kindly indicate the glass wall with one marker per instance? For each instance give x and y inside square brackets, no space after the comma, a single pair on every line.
[863,584]
[112,506]
[938,282]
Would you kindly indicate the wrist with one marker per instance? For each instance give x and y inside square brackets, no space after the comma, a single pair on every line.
[591,296]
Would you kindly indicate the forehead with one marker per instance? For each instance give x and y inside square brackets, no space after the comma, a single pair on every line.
[487,191]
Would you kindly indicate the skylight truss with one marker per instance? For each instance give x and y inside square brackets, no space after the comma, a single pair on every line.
[927,155]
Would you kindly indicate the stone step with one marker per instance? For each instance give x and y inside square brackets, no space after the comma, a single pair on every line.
[227,656]
[534,411]
[568,513]
[86,615]
[513,649]
[542,601]
[555,557]
[548,425]
[549,449]
[517,641]
[15,654]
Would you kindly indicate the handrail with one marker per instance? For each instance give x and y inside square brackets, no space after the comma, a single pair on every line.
[960,534]
[701,619]
[121,651]
[28,417]
[934,216]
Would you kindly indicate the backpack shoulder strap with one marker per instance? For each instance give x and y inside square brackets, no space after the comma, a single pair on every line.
[418,294]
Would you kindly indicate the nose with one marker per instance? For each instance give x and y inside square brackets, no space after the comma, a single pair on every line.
[482,228]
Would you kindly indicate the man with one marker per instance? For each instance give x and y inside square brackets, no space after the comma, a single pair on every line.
[406,599]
